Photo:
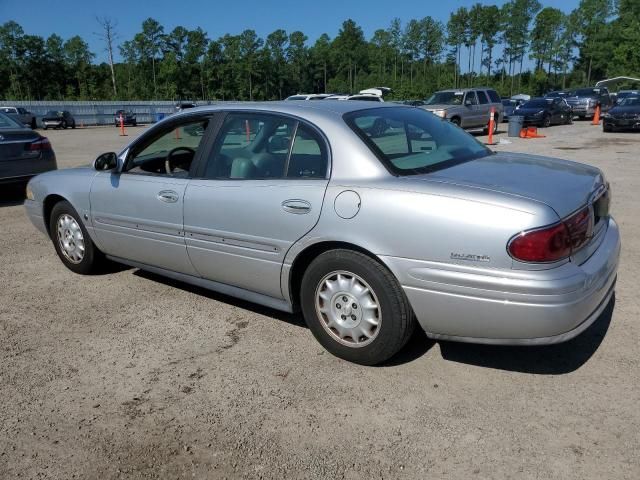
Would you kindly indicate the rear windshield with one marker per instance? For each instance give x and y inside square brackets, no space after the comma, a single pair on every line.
[446,98]
[411,141]
[7,122]
[536,104]
[630,102]
[585,92]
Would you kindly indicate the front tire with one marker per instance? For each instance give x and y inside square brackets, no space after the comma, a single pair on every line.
[71,240]
[546,121]
[64,125]
[355,307]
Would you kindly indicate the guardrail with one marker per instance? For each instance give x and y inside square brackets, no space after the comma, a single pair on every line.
[99,113]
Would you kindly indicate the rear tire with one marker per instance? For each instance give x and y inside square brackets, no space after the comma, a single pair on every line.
[355,307]
[71,240]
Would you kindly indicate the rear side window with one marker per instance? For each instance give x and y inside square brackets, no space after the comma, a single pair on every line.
[483,97]
[493,95]
[254,146]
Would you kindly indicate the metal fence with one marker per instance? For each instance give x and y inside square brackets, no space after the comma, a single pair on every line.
[99,113]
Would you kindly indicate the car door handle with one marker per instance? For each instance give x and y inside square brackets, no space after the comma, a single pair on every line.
[296,206]
[168,196]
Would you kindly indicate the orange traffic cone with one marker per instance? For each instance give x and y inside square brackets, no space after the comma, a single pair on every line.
[491,126]
[530,132]
[596,116]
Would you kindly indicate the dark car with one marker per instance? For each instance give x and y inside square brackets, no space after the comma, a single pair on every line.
[128,118]
[625,115]
[181,106]
[509,105]
[23,152]
[585,100]
[544,112]
[58,119]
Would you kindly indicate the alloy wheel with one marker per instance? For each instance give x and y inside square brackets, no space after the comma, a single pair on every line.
[348,308]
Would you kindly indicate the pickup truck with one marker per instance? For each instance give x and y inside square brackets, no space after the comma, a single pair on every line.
[20,115]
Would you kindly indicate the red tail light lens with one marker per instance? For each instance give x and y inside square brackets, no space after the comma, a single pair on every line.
[41,144]
[544,245]
[553,243]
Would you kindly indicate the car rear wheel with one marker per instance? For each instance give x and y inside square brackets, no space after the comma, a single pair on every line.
[355,307]
[71,240]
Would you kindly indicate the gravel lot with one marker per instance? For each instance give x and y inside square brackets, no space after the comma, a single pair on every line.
[129,375]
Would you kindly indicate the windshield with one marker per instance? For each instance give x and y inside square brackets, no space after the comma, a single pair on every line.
[411,141]
[445,98]
[536,104]
[585,92]
[630,102]
[7,122]
[53,113]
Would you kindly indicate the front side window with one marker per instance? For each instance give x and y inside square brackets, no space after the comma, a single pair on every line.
[254,146]
[445,98]
[471,97]
[168,152]
[411,141]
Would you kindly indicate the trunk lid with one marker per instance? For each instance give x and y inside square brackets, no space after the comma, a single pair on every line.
[562,185]
[13,143]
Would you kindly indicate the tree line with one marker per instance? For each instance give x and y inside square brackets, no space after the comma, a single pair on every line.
[600,38]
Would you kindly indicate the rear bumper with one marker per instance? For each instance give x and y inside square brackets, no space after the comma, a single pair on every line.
[510,307]
[21,170]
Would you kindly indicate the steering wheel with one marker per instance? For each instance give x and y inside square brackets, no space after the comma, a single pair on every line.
[167,161]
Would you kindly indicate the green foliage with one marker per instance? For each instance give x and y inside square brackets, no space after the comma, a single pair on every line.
[599,39]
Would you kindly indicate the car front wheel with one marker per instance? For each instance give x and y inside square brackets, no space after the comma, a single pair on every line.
[71,240]
[355,307]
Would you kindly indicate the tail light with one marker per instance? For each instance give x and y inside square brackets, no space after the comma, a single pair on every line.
[40,144]
[553,243]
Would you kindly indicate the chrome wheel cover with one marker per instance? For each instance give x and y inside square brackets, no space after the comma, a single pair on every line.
[70,238]
[348,309]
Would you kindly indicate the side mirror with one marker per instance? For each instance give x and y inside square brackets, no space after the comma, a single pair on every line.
[106,161]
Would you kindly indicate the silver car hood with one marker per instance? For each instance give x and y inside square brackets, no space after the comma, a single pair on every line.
[562,185]
[439,106]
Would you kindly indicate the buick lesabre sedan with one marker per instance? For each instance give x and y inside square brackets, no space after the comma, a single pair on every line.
[370,218]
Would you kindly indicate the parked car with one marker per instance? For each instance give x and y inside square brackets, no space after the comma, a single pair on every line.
[624,116]
[23,152]
[21,115]
[367,97]
[508,107]
[368,231]
[413,103]
[622,94]
[309,96]
[182,106]
[545,112]
[583,101]
[467,107]
[128,118]
[58,119]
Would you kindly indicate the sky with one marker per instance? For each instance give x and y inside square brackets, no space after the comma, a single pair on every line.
[78,17]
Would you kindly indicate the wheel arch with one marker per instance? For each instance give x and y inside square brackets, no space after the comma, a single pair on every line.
[47,207]
[304,258]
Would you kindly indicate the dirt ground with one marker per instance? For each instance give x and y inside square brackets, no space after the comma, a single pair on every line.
[129,375]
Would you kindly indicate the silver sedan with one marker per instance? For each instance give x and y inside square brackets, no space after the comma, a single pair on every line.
[369,218]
